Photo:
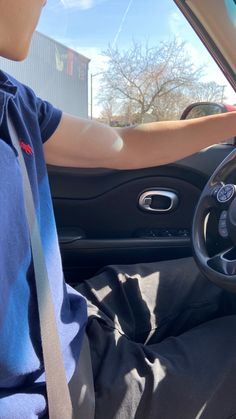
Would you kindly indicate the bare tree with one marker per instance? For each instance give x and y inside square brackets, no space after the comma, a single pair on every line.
[153,82]
[109,109]
[209,92]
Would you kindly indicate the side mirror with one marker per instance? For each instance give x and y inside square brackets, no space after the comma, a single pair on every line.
[196,110]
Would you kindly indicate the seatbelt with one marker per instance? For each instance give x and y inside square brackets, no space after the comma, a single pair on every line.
[59,400]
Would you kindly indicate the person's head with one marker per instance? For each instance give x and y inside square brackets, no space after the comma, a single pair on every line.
[18,20]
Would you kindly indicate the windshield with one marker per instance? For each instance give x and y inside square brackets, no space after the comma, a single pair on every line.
[121,62]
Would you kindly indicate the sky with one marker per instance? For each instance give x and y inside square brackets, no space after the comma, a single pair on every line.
[89,26]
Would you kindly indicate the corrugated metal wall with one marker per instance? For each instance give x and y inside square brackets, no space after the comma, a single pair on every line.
[56,73]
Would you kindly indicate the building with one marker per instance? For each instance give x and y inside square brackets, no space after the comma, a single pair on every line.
[56,73]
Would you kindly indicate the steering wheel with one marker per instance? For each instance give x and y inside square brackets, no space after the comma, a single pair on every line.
[218,196]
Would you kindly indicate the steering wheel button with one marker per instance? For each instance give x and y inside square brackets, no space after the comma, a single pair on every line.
[217,263]
[223,232]
[225,193]
[222,223]
[216,190]
[223,215]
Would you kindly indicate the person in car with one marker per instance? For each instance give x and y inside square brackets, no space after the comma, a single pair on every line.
[162,338]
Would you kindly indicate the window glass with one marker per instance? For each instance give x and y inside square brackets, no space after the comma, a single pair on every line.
[121,62]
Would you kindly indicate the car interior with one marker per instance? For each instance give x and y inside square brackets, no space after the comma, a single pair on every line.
[101,220]
[108,216]
[122,217]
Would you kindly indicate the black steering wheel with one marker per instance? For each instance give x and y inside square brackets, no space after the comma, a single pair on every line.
[218,196]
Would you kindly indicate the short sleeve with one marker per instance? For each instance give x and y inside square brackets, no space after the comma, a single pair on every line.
[49,118]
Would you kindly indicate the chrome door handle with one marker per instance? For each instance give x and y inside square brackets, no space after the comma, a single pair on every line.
[168,200]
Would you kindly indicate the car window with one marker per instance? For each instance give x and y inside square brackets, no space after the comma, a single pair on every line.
[120,62]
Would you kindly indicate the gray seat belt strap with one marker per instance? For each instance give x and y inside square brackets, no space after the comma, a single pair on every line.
[59,401]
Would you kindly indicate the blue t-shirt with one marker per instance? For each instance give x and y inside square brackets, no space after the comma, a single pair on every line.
[22,381]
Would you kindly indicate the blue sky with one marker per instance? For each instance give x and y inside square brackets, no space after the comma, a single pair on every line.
[101,21]
[89,26]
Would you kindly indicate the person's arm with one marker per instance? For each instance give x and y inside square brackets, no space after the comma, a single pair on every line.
[83,143]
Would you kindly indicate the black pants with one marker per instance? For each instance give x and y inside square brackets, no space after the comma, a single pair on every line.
[163,343]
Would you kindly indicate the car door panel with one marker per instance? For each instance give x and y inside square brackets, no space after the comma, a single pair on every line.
[100,221]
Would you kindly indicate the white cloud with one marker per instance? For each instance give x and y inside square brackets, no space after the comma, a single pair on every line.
[176,24]
[78,4]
